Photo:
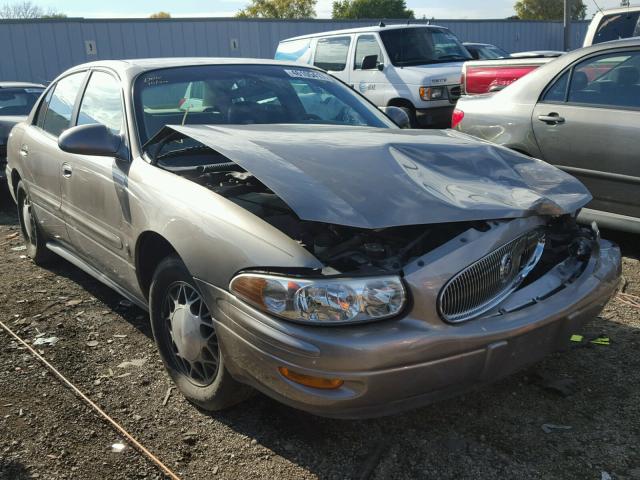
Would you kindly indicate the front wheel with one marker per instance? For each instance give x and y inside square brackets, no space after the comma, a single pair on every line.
[185,333]
[32,234]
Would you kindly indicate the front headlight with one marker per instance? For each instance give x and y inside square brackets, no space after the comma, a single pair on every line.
[433,93]
[322,301]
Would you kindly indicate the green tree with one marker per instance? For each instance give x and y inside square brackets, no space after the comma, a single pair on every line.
[160,15]
[279,9]
[371,9]
[548,9]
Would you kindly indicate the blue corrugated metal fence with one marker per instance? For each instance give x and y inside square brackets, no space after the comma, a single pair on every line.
[40,50]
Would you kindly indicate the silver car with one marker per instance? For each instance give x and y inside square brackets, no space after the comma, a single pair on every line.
[581,113]
[285,235]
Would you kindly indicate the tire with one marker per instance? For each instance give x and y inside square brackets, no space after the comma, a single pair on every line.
[413,119]
[194,360]
[32,235]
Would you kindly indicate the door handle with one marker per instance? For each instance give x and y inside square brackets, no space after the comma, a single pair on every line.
[24,151]
[552,119]
[66,170]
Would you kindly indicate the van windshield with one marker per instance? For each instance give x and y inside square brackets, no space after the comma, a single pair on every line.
[420,46]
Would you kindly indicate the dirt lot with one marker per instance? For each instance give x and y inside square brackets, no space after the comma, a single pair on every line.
[46,433]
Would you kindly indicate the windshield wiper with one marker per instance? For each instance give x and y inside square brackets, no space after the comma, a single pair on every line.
[182,151]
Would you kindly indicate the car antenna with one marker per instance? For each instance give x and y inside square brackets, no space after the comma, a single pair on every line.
[597,6]
[381,24]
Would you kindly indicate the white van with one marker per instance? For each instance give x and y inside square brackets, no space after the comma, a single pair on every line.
[416,67]
[613,24]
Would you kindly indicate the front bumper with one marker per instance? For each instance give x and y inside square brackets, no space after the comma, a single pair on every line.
[400,364]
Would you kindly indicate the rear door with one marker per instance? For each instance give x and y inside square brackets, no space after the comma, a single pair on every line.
[588,123]
[41,158]
[332,55]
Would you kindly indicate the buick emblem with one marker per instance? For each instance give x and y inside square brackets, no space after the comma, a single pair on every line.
[506,265]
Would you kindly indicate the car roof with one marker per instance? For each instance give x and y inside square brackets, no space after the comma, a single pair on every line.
[625,42]
[476,44]
[613,11]
[20,85]
[132,67]
[373,28]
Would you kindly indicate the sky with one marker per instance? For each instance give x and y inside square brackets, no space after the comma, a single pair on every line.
[225,8]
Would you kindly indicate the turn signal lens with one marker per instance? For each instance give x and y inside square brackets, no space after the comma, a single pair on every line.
[322,301]
[456,118]
[309,381]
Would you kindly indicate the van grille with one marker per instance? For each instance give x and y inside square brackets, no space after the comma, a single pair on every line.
[485,283]
[454,93]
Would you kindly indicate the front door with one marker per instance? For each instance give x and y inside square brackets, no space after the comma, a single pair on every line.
[373,82]
[588,123]
[94,193]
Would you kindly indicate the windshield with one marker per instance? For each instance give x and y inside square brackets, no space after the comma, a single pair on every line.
[247,94]
[419,46]
[617,26]
[18,101]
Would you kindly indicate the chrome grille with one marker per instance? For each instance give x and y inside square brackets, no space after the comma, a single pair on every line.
[485,283]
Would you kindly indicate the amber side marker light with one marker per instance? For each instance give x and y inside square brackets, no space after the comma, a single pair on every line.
[309,381]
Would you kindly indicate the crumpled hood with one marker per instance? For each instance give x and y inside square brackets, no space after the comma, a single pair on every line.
[376,178]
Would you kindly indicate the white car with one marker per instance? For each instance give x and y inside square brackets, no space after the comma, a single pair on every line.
[415,67]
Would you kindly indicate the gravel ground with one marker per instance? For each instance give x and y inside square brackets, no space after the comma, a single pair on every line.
[106,349]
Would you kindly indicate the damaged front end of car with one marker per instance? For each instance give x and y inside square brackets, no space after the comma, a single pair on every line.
[366,248]
[439,263]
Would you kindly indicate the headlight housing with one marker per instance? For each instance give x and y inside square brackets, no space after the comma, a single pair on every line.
[433,93]
[321,301]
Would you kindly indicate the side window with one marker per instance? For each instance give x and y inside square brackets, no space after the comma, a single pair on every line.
[57,118]
[607,80]
[331,53]
[42,109]
[366,45]
[102,102]
[558,90]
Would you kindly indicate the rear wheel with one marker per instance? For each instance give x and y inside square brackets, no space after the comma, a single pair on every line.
[185,333]
[32,234]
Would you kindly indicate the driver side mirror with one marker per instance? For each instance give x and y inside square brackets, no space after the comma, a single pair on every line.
[93,139]
[370,62]
[397,116]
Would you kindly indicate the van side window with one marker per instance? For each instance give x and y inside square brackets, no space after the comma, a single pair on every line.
[57,118]
[365,46]
[331,53]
